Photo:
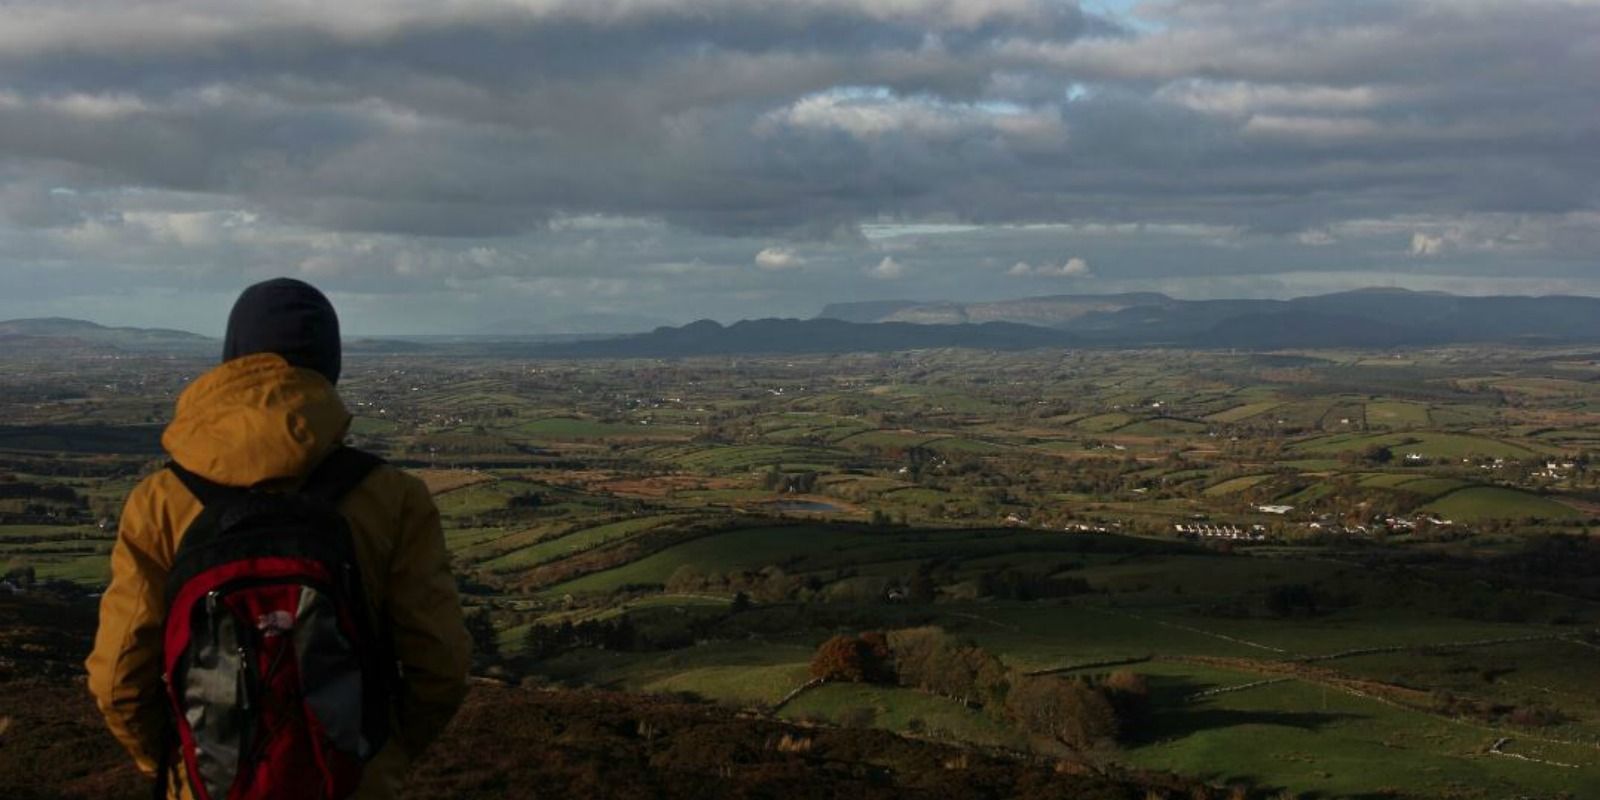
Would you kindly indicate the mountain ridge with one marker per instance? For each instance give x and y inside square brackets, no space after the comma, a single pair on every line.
[43,327]
[1377,317]
[794,336]
[1402,316]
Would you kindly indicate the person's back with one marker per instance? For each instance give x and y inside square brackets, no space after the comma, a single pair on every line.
[265,419]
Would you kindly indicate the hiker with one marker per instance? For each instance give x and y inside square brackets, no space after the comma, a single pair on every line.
[281,619]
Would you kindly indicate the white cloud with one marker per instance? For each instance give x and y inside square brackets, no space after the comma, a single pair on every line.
[1074,267]
[774,259]
[871,114]
[1299,127]
[888,269]
[1242,98]
[1426,246]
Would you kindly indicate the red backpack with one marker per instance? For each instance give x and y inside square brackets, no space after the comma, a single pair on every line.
[277,685]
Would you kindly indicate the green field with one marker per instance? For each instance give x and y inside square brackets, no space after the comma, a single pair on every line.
[1102,423]
[1244,412]
[575,428]
[1236,485]
[1428,445]
[1330,743]
[1471,505]
[1397,414]
[552,549]
[704,524]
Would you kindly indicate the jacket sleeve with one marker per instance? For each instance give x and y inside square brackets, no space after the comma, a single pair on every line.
[124,667]
[430,636]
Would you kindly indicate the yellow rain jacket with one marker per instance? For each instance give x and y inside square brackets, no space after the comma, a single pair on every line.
[258,420]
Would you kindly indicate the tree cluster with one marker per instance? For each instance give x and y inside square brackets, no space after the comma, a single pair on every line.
[777,480]
[525,501]
[769,584]
[1078,712]
[1015,584]
[929,659]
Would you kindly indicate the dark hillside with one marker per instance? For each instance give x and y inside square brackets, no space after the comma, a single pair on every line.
[523,742]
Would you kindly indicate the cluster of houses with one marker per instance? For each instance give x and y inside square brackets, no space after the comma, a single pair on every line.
[1413,522]
[1556,470]
[1390,524]
[1087,527]
[1339,529]
[1214,530]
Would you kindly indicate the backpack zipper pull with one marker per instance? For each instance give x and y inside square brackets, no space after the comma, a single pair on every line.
[243,680]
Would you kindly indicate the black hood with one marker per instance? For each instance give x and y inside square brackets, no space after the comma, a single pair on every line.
[287,317]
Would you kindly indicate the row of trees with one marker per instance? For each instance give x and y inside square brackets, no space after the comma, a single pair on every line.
[1078,712]
[770,584]
[541,641]
[546,641]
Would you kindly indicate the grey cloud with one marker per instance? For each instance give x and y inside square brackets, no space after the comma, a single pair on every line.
[492,121]
[396,144]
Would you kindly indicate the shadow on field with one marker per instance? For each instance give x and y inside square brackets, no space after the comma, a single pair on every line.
[1177,714]
[1176,724]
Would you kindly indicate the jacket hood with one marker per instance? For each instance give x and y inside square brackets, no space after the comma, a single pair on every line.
[256,419]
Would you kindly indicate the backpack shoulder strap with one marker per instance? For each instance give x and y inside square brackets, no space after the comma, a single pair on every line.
[341,471]
[209,493]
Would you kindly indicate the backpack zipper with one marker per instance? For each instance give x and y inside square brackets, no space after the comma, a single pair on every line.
[242,681]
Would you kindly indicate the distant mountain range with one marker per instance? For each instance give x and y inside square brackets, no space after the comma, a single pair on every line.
[1372,318]
[1362,318]
[585,324]
[1369,318]
[752,337]
[1052,311]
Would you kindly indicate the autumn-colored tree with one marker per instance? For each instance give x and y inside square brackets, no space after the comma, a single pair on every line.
[854,659]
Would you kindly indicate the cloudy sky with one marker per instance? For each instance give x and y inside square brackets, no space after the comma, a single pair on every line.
[461,165]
